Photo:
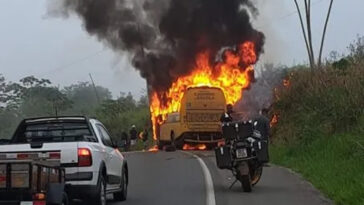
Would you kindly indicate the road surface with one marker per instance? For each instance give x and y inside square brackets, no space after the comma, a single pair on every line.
[178,178]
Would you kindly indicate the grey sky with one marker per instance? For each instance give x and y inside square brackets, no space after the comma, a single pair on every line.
[32,43]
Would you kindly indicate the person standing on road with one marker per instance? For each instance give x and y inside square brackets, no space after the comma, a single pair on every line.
[226,117]
[263,125]
[145,138]
[125,141]
[133,135]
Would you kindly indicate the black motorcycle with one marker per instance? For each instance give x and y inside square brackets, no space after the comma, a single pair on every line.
[244,153]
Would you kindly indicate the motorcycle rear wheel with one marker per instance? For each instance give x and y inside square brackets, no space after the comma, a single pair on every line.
[246,183]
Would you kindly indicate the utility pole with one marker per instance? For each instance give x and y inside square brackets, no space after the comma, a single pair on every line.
[93,84]
[55,107]
[324,34]
[307,32]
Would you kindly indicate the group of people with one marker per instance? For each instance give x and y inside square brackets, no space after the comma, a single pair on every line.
[131,139]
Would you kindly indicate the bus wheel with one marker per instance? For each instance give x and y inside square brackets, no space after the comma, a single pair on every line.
[161,145]
[211,146]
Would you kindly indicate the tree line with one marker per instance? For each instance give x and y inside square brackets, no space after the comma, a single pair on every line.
[34,97]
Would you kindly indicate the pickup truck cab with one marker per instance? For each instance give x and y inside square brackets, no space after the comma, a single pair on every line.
[94,167]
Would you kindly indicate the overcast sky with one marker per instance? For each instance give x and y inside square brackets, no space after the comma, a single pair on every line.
[32,43]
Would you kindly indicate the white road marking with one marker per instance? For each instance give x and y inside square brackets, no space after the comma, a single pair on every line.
[210,193]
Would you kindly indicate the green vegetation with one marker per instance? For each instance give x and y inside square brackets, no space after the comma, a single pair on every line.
[320,132]
[33,97]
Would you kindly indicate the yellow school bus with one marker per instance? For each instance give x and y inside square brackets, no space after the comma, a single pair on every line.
[198,121]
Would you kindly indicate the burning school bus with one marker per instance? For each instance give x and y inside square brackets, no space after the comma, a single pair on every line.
[189,110]
[197,121]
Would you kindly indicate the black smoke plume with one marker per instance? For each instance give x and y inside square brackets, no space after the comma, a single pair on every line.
[164,36]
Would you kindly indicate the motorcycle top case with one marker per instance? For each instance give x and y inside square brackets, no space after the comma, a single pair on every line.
[223,157]
[229,131]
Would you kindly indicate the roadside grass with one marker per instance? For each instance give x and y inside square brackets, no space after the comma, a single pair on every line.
[333,164]
[320,130]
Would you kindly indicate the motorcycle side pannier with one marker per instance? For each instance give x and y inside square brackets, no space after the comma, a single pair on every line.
[223,157]
[262,151]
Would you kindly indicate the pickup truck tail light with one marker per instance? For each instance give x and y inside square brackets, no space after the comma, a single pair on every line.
[2,176]
[21,156]
[39,196]
[84,157]
[39,202]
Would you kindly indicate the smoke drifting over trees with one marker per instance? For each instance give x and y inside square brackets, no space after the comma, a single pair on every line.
[163,37]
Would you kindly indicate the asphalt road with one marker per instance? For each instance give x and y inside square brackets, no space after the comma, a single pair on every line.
[178,178]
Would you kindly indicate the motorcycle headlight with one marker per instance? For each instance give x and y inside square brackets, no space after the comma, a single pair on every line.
[241,153]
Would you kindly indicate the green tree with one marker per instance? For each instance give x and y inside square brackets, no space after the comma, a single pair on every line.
[36,97]
[30,97]
[84,98]
[8,116]
[143,101]
[9,119]
[118,115]
[2,90]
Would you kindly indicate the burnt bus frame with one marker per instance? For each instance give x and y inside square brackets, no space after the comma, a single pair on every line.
[27,192]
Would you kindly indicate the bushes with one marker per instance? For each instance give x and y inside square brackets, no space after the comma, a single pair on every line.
[122,120]
[320,131]
[324,101]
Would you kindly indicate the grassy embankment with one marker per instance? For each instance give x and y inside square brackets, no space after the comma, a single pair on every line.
[320,132]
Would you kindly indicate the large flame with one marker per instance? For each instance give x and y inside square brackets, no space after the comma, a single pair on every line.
[231,75]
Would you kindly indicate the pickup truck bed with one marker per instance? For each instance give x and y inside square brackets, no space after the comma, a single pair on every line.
[80,145]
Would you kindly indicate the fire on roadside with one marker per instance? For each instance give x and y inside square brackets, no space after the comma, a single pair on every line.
[153,149]
[192,147]
[274,120]
[286,83]
[233,74]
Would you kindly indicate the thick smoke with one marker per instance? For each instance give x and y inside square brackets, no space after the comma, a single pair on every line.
[261,94]
[164,36]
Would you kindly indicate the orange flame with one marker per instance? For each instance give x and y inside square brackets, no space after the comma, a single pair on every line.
[194,147]
[228,75]
[274,120]
[153,149]
[286,82]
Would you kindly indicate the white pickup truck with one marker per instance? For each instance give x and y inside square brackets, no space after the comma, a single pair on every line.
[93,165]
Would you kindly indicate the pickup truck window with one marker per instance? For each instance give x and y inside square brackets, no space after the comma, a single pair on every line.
[54,132]
[106,139]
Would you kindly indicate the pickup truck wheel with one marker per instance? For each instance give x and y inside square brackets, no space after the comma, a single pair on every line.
[121,196]
[100,198]
[161,145]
